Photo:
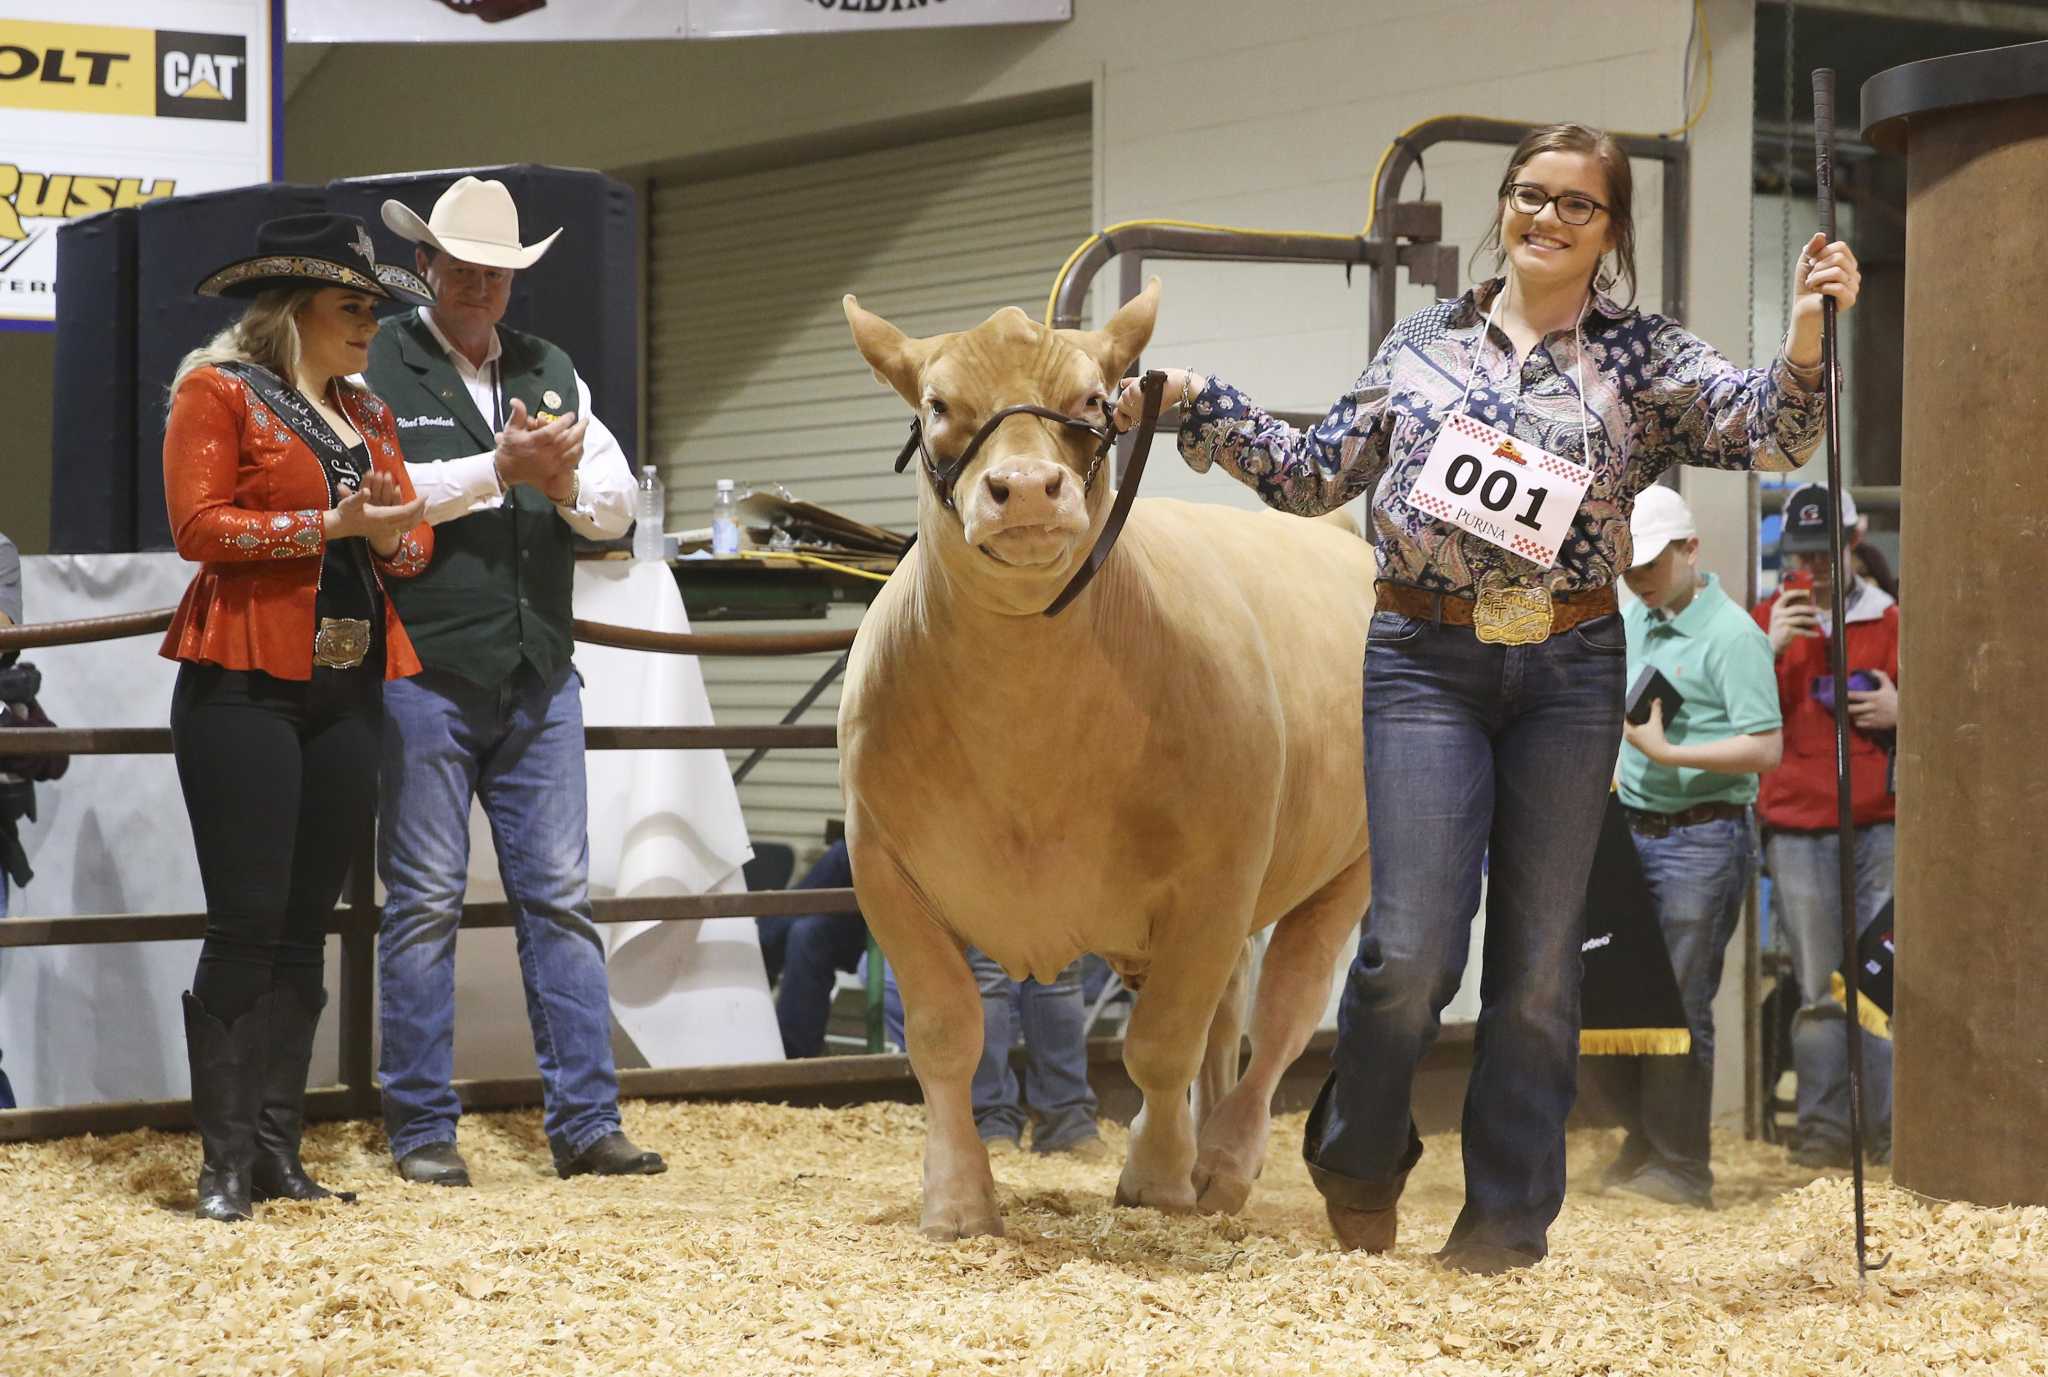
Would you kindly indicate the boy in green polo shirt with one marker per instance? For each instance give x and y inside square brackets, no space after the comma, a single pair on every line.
[1687,786]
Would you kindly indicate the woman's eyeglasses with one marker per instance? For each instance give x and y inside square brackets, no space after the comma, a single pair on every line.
[1572,208]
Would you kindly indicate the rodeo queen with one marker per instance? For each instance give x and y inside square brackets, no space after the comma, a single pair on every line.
[285,484]
[1503,437]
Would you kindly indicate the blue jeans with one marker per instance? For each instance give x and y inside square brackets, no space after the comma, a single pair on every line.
[804,954]
[518,747]
[1470,746]
[1806,887]
[1053,1018]
[1698,876]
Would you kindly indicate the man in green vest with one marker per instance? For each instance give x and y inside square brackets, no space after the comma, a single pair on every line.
[500,442]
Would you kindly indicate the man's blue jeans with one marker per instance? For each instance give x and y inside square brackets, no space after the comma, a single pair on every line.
[1806,887]
[1470,746]
[1699,877]
[1054,1019]
[518,747]
[804,955]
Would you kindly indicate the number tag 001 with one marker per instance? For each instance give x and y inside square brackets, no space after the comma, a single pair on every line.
[1501,489]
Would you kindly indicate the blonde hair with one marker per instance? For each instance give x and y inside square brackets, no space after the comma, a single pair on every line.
[267,334]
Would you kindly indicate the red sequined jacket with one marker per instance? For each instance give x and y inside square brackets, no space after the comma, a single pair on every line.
[246,499]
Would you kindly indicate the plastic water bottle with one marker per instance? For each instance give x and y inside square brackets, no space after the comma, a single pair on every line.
[650,511]
[725,520]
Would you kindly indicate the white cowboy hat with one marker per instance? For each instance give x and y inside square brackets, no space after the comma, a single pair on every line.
[474,221]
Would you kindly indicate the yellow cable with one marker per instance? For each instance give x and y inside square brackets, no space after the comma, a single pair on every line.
[1372,202]
[1707,51]
[821,562]
[1060,278]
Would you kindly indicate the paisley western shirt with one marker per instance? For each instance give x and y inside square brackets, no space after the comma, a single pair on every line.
[1656,395]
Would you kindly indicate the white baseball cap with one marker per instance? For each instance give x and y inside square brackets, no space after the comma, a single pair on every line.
[1660,517]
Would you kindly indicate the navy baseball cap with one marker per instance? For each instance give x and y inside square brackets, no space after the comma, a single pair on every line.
[1807,513]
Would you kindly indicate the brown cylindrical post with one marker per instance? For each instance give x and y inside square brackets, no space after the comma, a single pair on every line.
[1970,1108]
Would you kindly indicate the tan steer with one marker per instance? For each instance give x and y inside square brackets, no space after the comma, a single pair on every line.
[1167,766]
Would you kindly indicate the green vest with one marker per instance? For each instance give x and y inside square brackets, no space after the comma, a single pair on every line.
[498,590]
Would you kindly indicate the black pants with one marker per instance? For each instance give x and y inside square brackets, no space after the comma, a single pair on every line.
[280,782]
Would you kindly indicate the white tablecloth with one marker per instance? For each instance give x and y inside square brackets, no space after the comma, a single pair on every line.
[86,1024]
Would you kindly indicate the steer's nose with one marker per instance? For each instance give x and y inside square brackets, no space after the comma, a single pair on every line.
[1025,491]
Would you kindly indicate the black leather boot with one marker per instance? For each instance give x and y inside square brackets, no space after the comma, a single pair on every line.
[281,1116]
[227,1065]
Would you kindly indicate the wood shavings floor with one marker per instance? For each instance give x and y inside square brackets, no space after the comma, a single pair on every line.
[784,1240]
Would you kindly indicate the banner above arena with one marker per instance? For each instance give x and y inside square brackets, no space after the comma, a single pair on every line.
[154,98]
[525,21]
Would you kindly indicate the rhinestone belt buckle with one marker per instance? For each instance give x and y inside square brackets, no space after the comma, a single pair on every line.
[341,642]
[1512,614]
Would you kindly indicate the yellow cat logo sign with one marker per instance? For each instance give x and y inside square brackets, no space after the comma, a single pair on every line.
[95,69]
[200,76]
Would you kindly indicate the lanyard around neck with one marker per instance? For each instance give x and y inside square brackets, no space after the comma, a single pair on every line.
[1579,337]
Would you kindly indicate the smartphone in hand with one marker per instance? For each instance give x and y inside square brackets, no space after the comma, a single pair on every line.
[1823,686]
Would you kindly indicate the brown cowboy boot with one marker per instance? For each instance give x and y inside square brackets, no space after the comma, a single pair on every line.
[1369,1228]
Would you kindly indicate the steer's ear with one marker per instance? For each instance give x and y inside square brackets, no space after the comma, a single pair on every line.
[897,359]
[1124,338]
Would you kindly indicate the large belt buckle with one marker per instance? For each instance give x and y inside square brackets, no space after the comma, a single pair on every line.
[341,642]
[1512,614]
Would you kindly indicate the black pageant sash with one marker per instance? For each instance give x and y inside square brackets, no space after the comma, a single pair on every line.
[290,406]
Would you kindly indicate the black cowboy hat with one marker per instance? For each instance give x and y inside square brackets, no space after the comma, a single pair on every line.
[331,250]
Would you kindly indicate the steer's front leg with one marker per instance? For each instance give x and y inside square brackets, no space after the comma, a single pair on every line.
[942,1025]
[942,1022]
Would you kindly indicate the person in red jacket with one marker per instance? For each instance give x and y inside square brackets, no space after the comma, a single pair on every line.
[1798,809]
[286,484]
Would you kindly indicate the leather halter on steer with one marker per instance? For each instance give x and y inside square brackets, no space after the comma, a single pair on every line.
[1152,387]
[944,478]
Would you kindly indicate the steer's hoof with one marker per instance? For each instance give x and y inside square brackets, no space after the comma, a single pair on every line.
[1221,1191]
[1178,1199]
[949,1224]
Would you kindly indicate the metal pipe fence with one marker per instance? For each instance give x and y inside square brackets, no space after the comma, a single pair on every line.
[355,922]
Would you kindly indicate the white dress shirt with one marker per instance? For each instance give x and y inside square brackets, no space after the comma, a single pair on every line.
[605,494]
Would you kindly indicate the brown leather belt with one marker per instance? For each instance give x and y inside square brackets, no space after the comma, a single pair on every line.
[1452,609]
[1664,824]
